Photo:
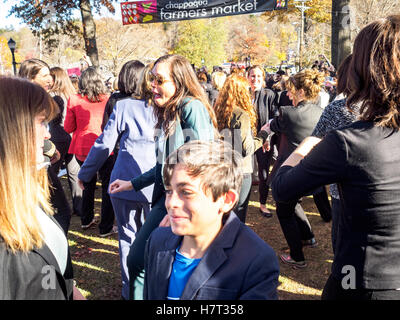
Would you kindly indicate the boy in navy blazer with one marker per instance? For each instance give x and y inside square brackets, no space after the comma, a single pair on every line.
[206,253]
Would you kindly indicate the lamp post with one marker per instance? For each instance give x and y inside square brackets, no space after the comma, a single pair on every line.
[302,8]
[11,44]
[248,61]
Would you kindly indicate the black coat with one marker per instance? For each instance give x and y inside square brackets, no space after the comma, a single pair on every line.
[22,275]
[293,125]
[264,104]
[364,160]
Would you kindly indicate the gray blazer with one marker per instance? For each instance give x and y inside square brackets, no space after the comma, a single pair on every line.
[237,265]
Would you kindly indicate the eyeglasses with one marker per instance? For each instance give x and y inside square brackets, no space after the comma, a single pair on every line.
[159,80]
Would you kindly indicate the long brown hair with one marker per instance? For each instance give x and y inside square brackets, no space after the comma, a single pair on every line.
[342,76]
[22,187]
[374,72]
[234,93]
[187,86]
[62,84]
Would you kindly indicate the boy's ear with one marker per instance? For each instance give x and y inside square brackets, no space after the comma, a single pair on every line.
[229,200]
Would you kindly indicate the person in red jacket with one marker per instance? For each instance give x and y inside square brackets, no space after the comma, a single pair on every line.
[83,119]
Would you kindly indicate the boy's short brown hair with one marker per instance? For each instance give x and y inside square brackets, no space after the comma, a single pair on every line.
[215,162]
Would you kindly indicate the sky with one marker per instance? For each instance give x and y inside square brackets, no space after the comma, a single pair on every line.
[17,23]
[7,21]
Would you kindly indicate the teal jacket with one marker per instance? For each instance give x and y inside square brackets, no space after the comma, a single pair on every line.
[193,123]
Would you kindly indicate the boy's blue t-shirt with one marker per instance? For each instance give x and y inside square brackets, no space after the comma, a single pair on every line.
[182,269]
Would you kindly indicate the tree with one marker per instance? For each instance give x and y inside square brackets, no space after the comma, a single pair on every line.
[50,17]
[201,41]
[366,11]
[341,31]
[248,39]
[120,43]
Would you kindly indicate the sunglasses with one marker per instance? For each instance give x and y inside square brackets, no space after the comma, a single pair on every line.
[159,80]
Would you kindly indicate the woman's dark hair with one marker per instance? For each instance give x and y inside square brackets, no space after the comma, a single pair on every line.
[187,85]
[92,85]
[374,72]
[144,91]
[31,67]
[128,78]
[342,76]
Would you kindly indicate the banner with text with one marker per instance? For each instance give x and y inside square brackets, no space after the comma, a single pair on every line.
[173,10]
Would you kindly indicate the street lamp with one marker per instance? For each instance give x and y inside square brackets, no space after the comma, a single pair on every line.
[11,44]
[248,61]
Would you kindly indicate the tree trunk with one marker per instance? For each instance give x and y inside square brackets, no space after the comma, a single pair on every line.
[341,45]
[89,32]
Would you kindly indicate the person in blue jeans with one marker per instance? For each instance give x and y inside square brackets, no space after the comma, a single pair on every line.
[207,253]
[183,113]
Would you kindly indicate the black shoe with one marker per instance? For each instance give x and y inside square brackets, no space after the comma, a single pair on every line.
[311,243]
[266,214]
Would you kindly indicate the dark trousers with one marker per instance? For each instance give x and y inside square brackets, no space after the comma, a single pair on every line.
[264,161]
[336,216]
[244,197]
[107,211]
[322,202]
[295,227]
[59,201]
[135,259]
[333,290]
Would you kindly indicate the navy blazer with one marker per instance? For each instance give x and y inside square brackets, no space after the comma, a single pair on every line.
[237,265]
[133,122]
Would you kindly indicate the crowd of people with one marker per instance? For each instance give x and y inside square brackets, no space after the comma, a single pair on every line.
[176,149]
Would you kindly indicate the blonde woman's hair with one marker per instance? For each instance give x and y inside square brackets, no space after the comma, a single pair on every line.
[309,80]
[22,187]
[62,84]
[234,93]
[218,79]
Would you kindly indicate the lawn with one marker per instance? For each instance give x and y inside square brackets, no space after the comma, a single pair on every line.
[96,262]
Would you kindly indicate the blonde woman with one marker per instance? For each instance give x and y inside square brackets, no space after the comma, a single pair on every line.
[217,80]
[235,111]
[33,247]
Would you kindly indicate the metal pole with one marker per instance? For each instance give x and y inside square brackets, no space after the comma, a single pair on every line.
[14,63]
[302,8]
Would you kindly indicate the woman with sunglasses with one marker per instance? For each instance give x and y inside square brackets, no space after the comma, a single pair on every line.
[183,113]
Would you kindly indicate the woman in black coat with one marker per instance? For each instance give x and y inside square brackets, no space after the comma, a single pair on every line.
[363,158]
[294,124]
